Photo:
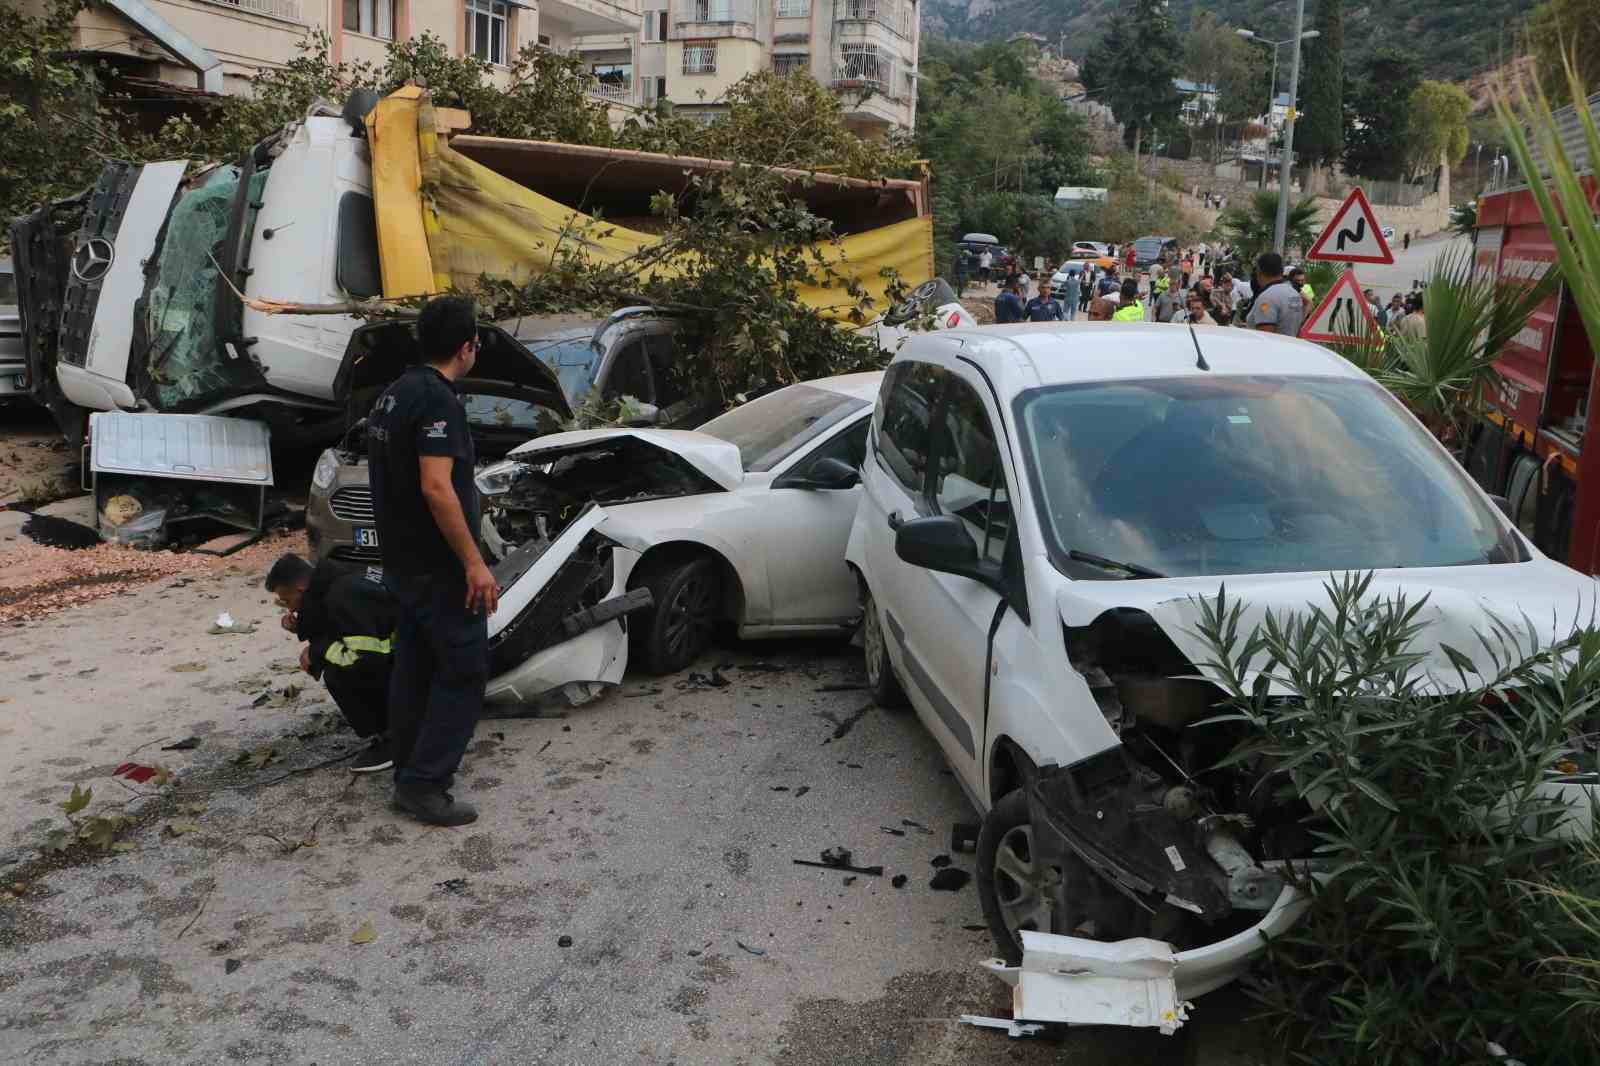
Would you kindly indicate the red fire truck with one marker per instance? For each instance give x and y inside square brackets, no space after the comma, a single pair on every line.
[1535,448]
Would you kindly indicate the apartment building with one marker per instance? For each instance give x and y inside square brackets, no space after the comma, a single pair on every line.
[687,51]
[216,46]
[691,52]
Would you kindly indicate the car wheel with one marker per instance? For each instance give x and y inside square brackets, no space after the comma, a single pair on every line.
[881,682]
[1016,890]
[688,607]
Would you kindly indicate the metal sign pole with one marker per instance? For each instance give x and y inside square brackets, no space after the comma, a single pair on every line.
[1288,131]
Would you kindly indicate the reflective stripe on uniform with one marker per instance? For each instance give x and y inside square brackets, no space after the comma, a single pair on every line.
[344,652]
[1131,313]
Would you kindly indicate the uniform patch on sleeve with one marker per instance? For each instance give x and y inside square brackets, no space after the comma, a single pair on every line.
[437,429]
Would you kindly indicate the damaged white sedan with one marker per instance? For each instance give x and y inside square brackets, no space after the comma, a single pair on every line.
[609,539]
[1041,507]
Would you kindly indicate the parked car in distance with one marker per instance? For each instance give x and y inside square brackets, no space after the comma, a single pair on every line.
[1147,251]
[974,245]
[1091,247]
[1041,509]
[742,521]
[1104,262]
[13,357]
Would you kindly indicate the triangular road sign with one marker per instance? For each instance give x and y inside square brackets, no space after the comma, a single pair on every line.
[1343,316]
[1352,235]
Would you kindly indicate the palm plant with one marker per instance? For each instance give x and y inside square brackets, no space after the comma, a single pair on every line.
[1445,375]
[1250,226]
[1569,219]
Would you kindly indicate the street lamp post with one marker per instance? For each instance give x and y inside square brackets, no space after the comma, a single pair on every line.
[1300,34]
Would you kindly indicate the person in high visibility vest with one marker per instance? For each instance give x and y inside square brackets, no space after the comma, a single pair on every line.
[1297,278]
[1130,310]
[347,618]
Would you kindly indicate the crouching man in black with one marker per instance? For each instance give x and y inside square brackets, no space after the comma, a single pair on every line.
[348,619]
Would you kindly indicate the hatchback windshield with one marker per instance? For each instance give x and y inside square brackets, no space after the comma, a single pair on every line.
[773,427]
[1193,476]
[575,360]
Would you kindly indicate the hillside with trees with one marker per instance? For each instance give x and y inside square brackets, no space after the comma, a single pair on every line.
[1455,37]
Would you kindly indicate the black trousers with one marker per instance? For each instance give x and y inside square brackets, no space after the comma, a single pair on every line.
[441,664]
[362,692]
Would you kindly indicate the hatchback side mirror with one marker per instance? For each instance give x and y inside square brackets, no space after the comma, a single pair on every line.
[942,543]
[825,473]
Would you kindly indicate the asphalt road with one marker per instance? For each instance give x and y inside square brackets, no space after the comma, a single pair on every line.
[654,827]
[1410,265]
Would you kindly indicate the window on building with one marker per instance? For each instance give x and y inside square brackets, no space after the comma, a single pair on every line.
[713,10]
[487,29]
[661,25]
[613,80]
[861,62]
[700,57]
[544,40]
[654,89]
[794,9]
[789,62]
[649,27]
[375,18]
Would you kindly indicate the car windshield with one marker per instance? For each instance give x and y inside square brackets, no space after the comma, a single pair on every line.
[773,427]
[1237,475]
[510,414]
[575,360]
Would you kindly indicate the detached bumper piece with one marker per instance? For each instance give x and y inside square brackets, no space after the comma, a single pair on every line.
[1073,981]
[576,589]
[586,619]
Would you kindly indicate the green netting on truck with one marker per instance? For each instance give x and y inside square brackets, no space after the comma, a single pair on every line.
[187,358]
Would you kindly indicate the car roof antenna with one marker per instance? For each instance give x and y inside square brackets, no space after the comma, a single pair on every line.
[1199,356]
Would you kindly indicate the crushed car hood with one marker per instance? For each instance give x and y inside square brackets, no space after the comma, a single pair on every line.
[1539,601]
[716,459]
[379,352]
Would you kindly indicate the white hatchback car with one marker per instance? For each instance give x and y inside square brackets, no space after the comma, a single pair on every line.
[1042,505]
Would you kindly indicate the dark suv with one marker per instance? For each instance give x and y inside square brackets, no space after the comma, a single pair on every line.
[1147,251]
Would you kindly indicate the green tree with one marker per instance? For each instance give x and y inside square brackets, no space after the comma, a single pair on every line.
[1319,127]
[55,135]
[1564,27]
[1211,48]
[1376,143]
[1438,125]
[1132,67]
[1250,226]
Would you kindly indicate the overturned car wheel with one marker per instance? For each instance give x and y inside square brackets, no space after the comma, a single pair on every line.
[688,606]
[1016,889]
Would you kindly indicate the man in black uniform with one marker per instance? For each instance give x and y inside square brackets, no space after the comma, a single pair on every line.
[347,616]
[421,459]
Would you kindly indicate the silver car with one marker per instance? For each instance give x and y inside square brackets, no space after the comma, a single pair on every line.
[13,357]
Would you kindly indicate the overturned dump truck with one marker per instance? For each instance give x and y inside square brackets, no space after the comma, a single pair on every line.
[226,290]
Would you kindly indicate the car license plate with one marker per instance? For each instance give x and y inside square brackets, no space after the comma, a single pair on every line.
[366,538]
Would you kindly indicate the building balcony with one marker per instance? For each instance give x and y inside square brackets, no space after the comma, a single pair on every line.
[278,9]
[867,72]
[714,18]
[613,92]
[575,18]
[891,15]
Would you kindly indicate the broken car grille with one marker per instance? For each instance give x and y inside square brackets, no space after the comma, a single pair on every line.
[581,581]
[352,504]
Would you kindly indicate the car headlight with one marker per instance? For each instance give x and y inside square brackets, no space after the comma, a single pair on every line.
[326,470]
[498,478]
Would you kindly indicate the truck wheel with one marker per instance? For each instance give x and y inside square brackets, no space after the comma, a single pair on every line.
[688,606]
[1017,892]
[881,682]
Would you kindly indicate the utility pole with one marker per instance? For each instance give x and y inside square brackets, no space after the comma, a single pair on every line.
[1288,131]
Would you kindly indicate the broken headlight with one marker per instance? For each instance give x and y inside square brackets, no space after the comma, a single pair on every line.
[497,478]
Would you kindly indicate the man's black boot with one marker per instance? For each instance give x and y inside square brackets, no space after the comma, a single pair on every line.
[433,805]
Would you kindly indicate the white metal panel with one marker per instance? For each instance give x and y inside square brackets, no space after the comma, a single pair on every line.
[186,447]
[111,336]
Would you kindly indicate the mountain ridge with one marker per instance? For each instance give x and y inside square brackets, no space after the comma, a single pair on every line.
[1455,39]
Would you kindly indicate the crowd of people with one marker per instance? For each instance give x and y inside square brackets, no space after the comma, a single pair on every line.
[1202,286]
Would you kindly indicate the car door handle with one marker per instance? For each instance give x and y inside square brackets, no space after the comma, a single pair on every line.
[894,520]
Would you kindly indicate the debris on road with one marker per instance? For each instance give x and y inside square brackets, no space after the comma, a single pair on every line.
[453,885]
[231,965]
[892,831]
[225,624]
[839,859]
[564,942]
[186,744]
[939,862]
[949,879]
[918,826]
[364,934]
[1013,1028]
[1076,981]
[801,791]
[751,950]
[899,880]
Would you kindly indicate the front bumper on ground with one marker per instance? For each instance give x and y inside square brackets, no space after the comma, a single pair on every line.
[1138,982]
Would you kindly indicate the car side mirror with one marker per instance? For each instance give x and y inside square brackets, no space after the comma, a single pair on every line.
[825,473]
[942,543]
